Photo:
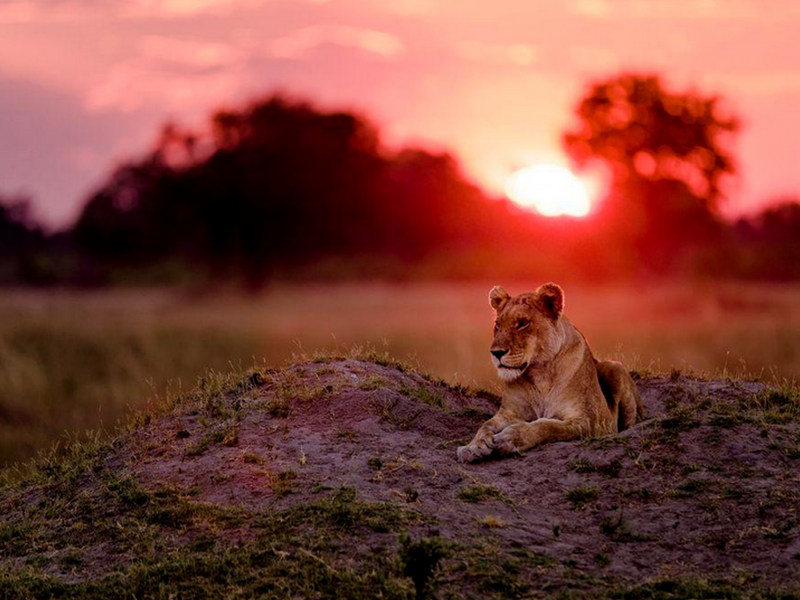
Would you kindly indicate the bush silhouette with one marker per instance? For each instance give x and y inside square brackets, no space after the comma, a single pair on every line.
[278,184]
[666,156]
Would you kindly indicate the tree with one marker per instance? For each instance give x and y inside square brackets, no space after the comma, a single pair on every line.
[18,231]
[640,130]
[769,241]
[278,185]
[667,159]
[21,241]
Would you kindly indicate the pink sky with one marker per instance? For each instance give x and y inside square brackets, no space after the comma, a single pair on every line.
[85,83]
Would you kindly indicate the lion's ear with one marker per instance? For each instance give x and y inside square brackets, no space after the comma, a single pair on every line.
[498,298]
[550,298]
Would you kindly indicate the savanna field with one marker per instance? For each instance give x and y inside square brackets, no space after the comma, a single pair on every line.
[77,361]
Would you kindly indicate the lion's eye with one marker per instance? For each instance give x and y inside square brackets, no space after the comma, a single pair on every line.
[523,324]
[496,326]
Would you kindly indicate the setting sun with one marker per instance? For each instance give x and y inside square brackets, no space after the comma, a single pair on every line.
[551,190]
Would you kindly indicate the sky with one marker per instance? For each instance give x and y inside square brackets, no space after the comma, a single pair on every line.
[85,84]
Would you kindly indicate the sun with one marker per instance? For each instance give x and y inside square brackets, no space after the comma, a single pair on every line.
[552,190]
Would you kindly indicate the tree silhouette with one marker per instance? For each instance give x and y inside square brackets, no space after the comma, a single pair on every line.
[277,185]
[769,242]
[282,189]
[18,230]
[641,131]
[666,156]
[21,240]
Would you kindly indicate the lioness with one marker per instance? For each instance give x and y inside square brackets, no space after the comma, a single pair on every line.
[554,388]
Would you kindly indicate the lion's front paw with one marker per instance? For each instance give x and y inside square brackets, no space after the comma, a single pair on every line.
[512,439]
[473,452]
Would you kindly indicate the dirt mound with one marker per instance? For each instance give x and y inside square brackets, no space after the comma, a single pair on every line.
[339,479]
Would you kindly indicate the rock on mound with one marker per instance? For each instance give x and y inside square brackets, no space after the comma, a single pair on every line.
[339,479]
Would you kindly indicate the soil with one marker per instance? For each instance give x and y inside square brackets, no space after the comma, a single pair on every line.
[706,488]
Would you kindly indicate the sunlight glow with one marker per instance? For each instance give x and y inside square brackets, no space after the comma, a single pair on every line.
[551,190]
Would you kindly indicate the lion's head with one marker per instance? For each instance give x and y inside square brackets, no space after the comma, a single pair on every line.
[525,331]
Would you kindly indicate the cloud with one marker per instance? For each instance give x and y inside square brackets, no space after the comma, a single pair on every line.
[594,58]
[28,11]
[52,150]
[138,84]
[521,55]
[593,8]
[16,12]
[41,11]
[684,9]
[301,42]
[190,53]
[410,7]
[765,84]
[184,8]
[171,74]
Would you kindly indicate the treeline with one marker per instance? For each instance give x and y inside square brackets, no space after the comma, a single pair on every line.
[22,242]
[283,190]
[277,187]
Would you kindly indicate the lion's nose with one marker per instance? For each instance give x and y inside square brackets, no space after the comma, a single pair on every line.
[498,354]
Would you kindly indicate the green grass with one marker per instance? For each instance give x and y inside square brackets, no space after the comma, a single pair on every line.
[279,408]
[479,492]
[423,394]
[619,531]
[73,361]
[292,553]
[584,465]
[55,380]
[304,551]
[689,487]
[581,496]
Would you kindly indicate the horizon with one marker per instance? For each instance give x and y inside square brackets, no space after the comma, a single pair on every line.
[73,103]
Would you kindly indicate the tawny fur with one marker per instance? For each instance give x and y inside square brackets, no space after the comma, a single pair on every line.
[555,390]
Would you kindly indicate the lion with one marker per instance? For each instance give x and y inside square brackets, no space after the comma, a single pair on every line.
[555,390]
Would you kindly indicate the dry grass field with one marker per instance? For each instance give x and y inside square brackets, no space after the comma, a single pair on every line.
[75,361]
